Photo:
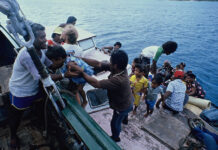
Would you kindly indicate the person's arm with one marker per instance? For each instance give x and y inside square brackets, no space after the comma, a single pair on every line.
[79,71]
[30,66]
[166,95]
[158,54]
[56,77]
[68,74]
[144,93]
[94,82]
[169,91]
[96,64]
[154,67]
[163,98]
[107,47]
[92,62]
[155,59]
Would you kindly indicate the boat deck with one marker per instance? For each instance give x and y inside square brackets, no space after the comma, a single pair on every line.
[160,131]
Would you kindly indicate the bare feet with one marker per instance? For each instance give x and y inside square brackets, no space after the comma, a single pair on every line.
[150,112]
[146,115]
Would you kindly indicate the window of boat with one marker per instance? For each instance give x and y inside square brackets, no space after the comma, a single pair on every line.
[86,44]
[97,98]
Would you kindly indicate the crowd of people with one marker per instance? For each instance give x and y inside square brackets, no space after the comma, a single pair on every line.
[63,58]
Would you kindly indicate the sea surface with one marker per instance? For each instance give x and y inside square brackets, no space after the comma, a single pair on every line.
[141,23]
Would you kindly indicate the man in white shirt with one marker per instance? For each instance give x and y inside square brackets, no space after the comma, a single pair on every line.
[24,82]
[155,52]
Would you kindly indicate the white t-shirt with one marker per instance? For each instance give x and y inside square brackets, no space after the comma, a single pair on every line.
[78,51]
[149,51]
[25,77]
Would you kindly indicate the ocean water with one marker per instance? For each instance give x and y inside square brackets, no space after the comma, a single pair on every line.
[141,23]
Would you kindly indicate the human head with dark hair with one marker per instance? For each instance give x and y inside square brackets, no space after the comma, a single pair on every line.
[57,55]
[71,20]
[119,61]
[166,64]
[169,47]
[135,61]
[40,36]
[178,67]
[139,72]
[191,75]
[117,45]
[182,65]
[157,80]
[69,34]
[189,72]
[56,38]
[190,78]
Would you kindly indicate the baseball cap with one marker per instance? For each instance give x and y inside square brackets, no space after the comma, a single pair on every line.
[178,74]
[58,30]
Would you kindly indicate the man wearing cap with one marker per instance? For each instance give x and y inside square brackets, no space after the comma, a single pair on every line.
[175,94]
[56,40]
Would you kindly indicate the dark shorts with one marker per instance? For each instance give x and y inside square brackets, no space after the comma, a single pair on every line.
[150,103]
[24,102]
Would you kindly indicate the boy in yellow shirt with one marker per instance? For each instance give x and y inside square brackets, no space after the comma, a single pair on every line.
[138,84]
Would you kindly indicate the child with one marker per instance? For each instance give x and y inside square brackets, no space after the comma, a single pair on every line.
[138,85]
[79,82]
[152,93]
[135,61]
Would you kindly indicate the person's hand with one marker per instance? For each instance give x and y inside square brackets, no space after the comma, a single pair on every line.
[71,63]
[70,74]
[73,71]
[76,68]
[72,66]
[158,104]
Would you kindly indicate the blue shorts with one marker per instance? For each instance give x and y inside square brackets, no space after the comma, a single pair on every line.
[24,102]
[150,103]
